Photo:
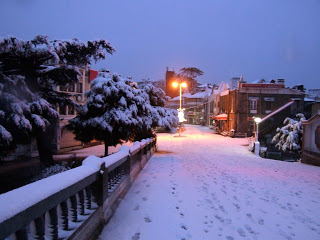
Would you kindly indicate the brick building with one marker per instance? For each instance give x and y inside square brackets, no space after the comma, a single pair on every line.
[170,91]
[251,100]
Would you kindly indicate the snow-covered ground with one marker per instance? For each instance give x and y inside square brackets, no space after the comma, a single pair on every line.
[206,186]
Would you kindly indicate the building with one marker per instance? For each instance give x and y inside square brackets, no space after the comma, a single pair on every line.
[64,139]
[311,140]
[170,78]
[237,108]
[314,94]
[194,105]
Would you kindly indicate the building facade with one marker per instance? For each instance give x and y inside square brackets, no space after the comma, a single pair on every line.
[248,101]
[64,139]
[311,141]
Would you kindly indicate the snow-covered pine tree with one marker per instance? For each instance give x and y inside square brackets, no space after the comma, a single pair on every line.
[22,114]
[111,112]
[117,112]
[160,116]
[289,137]
[29,59]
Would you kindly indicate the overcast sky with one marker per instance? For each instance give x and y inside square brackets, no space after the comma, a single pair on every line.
[224,38]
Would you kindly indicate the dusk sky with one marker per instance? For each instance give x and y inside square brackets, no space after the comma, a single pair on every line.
[267,39]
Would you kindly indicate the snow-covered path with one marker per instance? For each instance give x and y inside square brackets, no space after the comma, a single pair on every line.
[205,186]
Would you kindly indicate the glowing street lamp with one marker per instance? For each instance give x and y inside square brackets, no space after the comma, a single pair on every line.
[180,110]
[257,143]
[257,121]
[181,85]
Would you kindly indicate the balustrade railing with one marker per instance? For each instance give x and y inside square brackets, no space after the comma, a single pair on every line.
[69,205]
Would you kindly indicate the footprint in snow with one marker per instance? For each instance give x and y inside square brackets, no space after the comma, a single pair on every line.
[249,229]
[144,199]
[261,221]
[184,227]
[241,232]
[136,208]
[147,220]
[222,209]
[229,238]
[136,236]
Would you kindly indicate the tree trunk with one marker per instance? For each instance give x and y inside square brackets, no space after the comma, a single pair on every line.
[107,143]
[44,149]
[106,146]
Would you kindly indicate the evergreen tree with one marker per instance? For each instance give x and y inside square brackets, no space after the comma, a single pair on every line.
[115,112]
[22,114]
[27,61]
[289,137]
[160,116]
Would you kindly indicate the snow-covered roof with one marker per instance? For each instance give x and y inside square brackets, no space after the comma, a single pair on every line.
[309,100]
[189,95]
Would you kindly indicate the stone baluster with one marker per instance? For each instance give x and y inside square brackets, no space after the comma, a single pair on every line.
[88,197]
[51,223]
[72,208]
[19,235]
[63,216]
[80,200]
[37,229]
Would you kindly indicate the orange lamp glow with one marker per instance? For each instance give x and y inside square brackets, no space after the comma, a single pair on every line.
[183,84]
[175,84]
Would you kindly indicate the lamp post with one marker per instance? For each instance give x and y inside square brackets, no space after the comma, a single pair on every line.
[180,110]
[257,143]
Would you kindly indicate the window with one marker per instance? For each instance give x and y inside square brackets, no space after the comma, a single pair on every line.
[253,104]
[70,110]
[71,87]
[79,88]
[62,109]
[63,88]
[268,105]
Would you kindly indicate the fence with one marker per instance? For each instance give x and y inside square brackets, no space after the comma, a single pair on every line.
[75,204]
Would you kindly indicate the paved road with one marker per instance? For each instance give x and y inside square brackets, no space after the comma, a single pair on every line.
[205,186]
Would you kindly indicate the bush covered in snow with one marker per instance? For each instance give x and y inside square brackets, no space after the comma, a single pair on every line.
[289,137]
[52,170]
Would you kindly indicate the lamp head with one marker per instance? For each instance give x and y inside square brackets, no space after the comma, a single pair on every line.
[257,120]
[175,84]
[184,85]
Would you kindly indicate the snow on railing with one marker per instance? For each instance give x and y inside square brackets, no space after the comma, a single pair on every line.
[63,205]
